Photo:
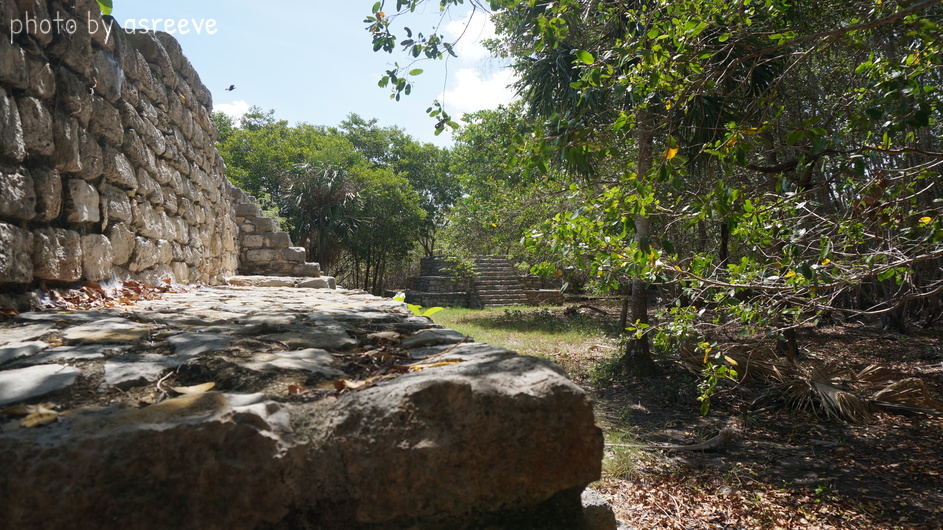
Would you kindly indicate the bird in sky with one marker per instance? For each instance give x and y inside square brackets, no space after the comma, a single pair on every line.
[231,88]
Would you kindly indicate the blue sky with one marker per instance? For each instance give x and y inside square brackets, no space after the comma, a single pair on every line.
[312,61]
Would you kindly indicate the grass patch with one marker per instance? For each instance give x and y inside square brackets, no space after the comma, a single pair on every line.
[576,342]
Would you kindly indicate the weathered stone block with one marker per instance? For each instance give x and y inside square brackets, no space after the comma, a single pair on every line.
[73,96]
[145,255]
[264,224]
[42,78]
[308,270]
[16,249]
[17,194]
[83,202]
[12,64]
[294,254]
[12,146]
[118,170]
[97,258]
[107,74]
[253,241]
[48,184]
[37,126]
[67,136]
[122,243]
[147,221]
[277,240]
[262,255]
[116,204]
[248,210]
[165,252]
[107,125]
[57,255]
[93,160]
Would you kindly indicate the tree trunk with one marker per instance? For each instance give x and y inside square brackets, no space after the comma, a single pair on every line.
[637,359]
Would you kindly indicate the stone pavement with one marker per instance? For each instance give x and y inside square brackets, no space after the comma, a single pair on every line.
[291,407]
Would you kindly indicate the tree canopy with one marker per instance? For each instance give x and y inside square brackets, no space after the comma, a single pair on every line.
[777,160]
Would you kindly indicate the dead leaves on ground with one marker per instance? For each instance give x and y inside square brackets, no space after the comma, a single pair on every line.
[33,415]
[92,295]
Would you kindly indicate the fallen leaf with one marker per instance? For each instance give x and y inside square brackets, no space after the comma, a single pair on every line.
[195,389]
[432,365]
[40,418]
[26,410]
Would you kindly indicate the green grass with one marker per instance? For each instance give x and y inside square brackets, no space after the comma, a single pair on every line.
[541,332]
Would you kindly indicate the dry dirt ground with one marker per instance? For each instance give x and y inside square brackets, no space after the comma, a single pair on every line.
[785,469]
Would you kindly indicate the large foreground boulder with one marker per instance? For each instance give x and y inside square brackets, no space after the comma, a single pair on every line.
[454,435]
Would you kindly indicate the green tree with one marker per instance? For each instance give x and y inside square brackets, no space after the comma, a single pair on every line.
[785,155]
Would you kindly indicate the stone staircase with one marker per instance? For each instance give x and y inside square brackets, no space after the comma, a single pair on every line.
[497,282]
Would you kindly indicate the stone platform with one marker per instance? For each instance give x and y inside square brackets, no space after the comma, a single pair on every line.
[283,407]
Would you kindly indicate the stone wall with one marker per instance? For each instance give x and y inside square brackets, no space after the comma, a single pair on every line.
[107,161]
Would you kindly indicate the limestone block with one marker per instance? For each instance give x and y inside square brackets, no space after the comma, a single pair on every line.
[107,73]
[97,257]
[253,241]
[17,194]
[118,170]
[93,160]
[153,138]
[178,251]
[73,49]
[148,187]
[67,136]
[16,249]
[165,252]
[48,185]
[170,200]
[265,224]
[145,255]
[37,126]
[122,243]
[147,221]
[73,96]
[294,254]
[83,202]
[181,271]
[262,255]
[12,63]
[42,78]
[181,230]
[12,146]
[307,270]
[57,255]
[177,183]
[107,125]
[116,204]
[277,240]
[136,151]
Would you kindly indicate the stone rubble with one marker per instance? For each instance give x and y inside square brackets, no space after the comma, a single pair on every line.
[429,429]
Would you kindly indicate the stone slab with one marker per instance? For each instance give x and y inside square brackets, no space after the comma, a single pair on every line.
[22,384]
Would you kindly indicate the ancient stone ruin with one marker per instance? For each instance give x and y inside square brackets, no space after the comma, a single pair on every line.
[276,401]
[107,161]
[492,281]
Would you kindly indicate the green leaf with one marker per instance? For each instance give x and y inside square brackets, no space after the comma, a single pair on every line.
[431,311]
[585,57]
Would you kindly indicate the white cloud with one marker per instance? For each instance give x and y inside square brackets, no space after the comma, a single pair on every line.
[474,90]
[484,85]
[470,31]
[234,110]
